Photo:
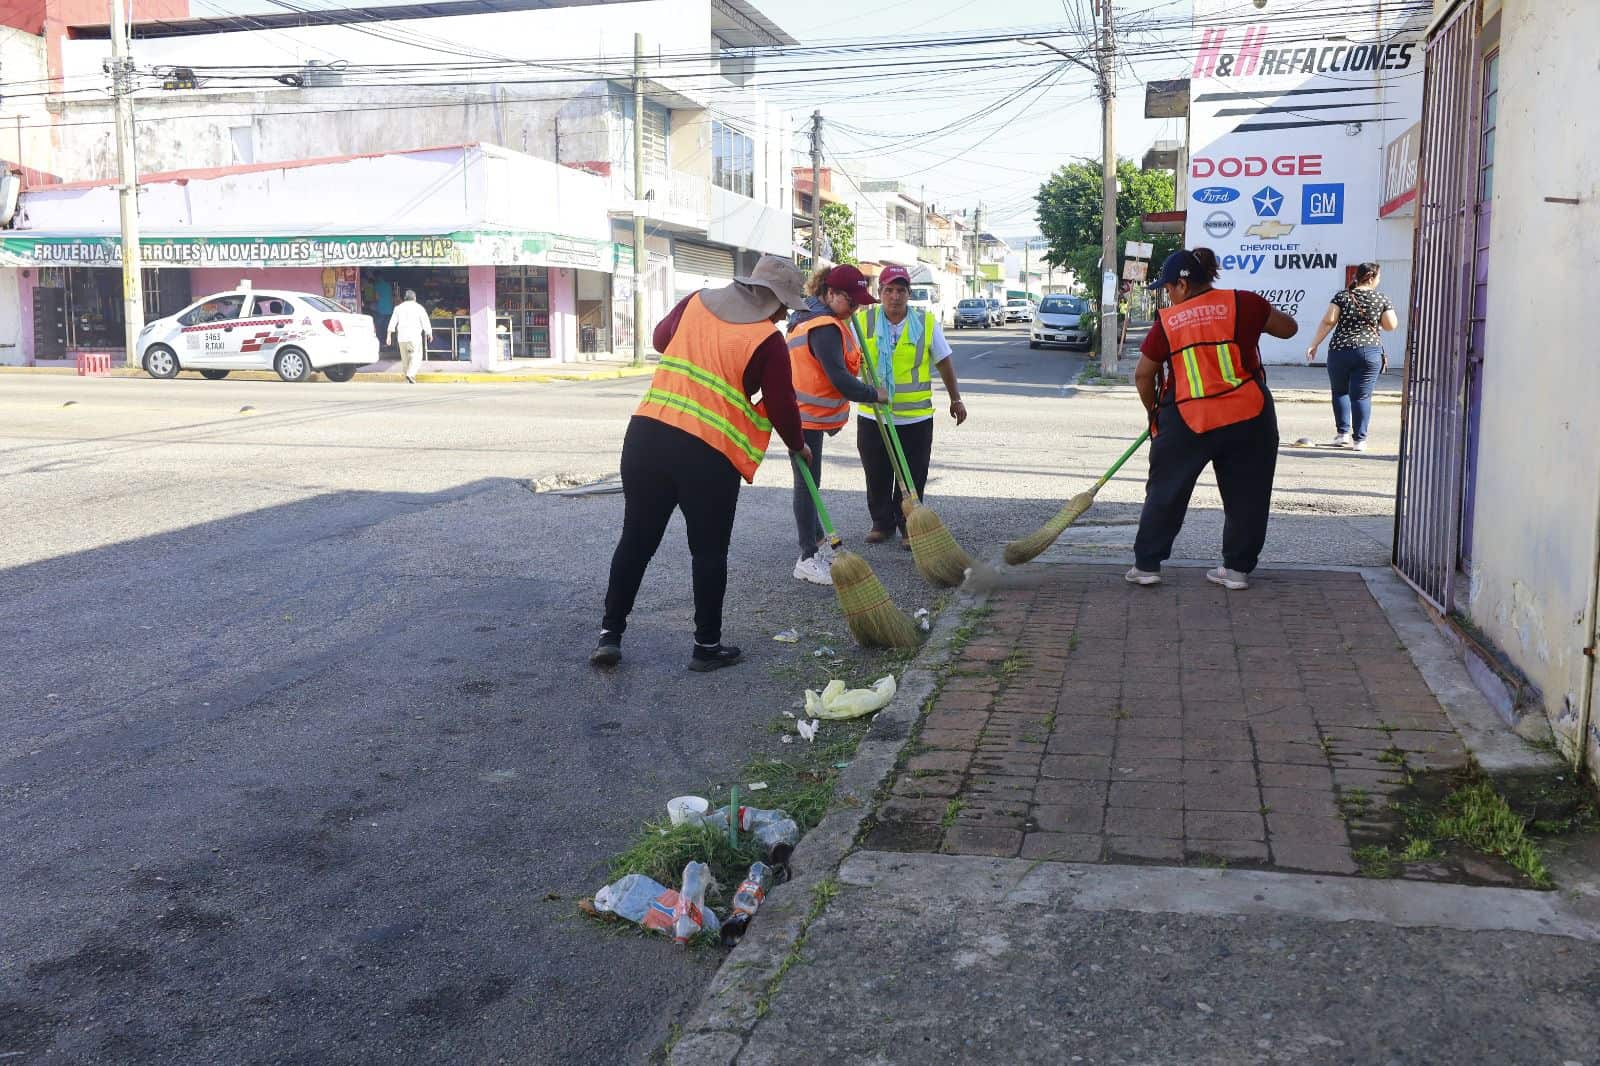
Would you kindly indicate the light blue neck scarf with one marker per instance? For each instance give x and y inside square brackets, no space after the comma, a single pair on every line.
[914,324]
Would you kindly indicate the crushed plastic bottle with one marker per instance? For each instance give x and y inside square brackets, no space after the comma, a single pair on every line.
[746,901]
[652,905]
[775,830]
[689,912]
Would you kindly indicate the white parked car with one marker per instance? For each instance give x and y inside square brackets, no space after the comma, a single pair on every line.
[293,333]
[1018,310]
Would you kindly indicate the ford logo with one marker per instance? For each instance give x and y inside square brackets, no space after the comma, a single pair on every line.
[1216,194]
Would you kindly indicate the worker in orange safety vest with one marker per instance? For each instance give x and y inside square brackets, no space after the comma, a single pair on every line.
[825,358]
[1203,387]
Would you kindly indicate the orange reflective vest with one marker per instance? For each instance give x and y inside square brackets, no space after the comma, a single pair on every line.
[821,405]
[699,386]
[1207,375]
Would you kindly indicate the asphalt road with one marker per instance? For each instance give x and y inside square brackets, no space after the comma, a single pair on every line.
[300,760]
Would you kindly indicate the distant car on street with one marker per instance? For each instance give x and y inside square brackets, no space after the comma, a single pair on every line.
[1059,320]
[997,312]
[293,333]
[1019,310]
[974,313]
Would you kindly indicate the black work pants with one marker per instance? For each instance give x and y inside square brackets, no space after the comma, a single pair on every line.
[807,523]
[1244,457]
[883,494]
[665,469]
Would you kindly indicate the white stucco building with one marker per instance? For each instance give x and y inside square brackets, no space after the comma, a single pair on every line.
[224,95]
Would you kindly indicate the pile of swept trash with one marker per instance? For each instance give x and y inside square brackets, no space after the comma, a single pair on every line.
[682,913]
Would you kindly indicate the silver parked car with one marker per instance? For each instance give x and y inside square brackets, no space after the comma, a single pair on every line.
[1059,321]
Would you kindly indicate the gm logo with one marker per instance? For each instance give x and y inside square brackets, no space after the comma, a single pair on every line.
[1322,205]
[1219,224]
[1216,194]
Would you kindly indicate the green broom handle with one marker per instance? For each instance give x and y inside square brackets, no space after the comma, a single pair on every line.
[816,498]
[1109,474]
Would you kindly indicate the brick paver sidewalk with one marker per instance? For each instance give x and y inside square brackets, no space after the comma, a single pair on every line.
[1088,719]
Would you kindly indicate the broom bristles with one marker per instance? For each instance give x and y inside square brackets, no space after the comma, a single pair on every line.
[1034,544]
[934,549]
[873,618]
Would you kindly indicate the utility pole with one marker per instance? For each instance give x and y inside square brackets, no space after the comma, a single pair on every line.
[977,230]
[816,189]
[638,199]
[1109,349]
[121,70]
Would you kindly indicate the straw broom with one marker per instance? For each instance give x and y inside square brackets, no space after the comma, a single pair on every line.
[933,547]
[873,618]
[1029,547]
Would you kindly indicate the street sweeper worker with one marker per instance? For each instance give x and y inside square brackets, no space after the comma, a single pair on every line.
[1202,384]
[698,431]
[902,347]
[824,361]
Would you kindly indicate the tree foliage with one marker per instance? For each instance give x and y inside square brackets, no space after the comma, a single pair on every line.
[839,227]
[1069,214]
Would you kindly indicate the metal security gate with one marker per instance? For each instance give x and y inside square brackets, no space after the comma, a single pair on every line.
[1433,422]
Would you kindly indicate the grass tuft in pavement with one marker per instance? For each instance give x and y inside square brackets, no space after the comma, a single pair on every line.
[1477,816]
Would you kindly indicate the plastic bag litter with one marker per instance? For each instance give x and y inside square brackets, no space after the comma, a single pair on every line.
[808,729]
[654,906]
[788,636]
[837,702]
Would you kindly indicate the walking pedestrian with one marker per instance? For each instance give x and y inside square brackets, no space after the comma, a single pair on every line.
[695,434]
[901,347]
[1355,354]
[1201,381]
[1124,312]
[825,358]
[411,322]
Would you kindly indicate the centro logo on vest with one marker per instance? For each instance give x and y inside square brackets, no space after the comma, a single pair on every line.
[1183,317]
[1254,166]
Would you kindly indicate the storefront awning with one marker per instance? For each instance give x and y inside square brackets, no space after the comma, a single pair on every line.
[459,248]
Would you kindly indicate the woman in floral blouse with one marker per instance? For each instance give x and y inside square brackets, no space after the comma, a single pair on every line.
[1355,355]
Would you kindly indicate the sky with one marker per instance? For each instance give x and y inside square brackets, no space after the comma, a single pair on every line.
[891,123]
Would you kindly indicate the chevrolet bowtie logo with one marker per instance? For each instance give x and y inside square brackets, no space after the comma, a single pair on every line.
[1269,229]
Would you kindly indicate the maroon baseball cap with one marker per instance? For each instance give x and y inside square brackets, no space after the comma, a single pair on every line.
[892,274]
[849,279]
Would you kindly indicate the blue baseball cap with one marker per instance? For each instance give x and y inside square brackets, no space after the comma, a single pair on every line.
[1179,266]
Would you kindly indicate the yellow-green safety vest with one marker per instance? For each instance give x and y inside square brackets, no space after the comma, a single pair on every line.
[913,363]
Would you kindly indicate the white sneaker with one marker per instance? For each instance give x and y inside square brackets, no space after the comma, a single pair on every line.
[1228,579]
[1341,441]
[1358,446]
[813,570]
[1136,576]
[825,552]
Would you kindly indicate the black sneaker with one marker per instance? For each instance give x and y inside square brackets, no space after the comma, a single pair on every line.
[608,652]
[706,659]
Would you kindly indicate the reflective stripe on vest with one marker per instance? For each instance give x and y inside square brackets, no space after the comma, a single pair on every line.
[821,405]
[912,364]
[699,386]
[1210,384]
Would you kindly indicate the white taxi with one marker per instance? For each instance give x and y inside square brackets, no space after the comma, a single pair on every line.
[293,333]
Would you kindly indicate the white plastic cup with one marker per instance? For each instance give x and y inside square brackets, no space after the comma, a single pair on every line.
[687,810]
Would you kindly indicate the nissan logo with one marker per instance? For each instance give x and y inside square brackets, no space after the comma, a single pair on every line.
[1216,194]
[1219,224]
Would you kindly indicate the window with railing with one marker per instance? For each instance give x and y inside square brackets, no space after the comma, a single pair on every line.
[733,160]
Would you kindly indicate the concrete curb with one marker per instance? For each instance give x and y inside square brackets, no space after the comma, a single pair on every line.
[1391,399]
[436,377]
[729,1010]
[983,883]
[1509,760]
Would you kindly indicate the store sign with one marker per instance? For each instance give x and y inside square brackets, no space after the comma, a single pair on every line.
[1294,114]
[1400,171]
[454,249]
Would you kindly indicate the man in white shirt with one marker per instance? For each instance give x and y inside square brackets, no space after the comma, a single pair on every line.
[903,347]
[411,322]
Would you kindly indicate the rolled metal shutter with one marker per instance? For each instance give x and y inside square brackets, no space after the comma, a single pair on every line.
[703,260]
